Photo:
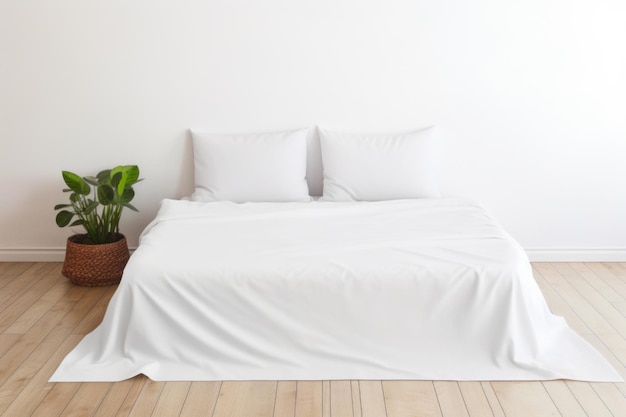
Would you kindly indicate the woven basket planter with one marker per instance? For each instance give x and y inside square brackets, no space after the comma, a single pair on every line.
[95,265]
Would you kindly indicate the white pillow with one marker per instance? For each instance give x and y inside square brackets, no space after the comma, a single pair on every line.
[250,167]
[378,167]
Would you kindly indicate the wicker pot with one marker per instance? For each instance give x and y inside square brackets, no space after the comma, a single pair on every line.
[95,265]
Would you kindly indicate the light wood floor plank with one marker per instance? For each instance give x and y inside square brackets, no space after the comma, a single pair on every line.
[285,404]
[126,407]
[115,397]
[172,399]
[90,300]
[612,277]
[411,399]
[15,285]
[147,398]
[610,270]
[475,400]
[523,399]
[356,399]
[309,401]
[246,398]
[14,288]
[611,355]
[5,401]
[15,308]
[560,307]
[29,342]
[326,399]
[611,315]
[563,398]
[202,399]
[91,320]
[37,387]
[583,308]
[38,358]
[6,342]
[494,402]
[13,269]
[60,333]
[55,400]
[38,309]
[87,399]
[612,397]
[450,399]
[76,292]
[588,399]
[616,345]
[372,399]
[603,282]
[341,399]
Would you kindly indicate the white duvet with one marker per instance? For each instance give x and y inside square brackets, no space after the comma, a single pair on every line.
[406,289]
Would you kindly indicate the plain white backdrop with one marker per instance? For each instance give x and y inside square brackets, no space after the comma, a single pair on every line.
[528,99]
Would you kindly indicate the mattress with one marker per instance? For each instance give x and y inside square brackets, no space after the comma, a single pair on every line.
[430,289]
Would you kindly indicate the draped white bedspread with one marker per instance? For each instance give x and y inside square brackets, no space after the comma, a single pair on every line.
[407,289]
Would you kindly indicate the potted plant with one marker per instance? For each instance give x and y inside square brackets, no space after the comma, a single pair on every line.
[98,256]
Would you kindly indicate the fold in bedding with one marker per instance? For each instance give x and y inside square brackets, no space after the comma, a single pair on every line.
[409,289]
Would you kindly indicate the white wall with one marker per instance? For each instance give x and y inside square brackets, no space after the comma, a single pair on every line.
[529,99]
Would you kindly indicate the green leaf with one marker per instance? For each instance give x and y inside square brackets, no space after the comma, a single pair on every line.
[91,206]
[91,180]
[104,177]
[60,206]
[76,183]
[132,174]
[75,198]
[130,206]
[118,181]
[77,223]
[64,217]
[127,196]
[106,194]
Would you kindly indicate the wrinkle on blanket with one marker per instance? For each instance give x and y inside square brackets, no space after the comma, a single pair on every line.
[406,289]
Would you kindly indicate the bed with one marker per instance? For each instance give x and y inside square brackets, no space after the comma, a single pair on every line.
[428,288]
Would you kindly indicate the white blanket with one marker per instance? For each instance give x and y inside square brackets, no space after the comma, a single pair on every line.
[407,289]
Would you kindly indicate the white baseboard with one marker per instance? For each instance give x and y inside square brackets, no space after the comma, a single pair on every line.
[535,255]
[34,254]
[577,255]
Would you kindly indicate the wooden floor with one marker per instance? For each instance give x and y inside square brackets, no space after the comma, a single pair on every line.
[42,317]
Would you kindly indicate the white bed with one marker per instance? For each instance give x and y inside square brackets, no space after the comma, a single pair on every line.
[254,281]
[403,289]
